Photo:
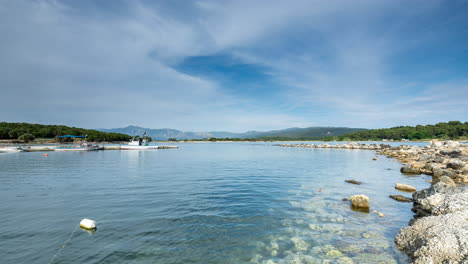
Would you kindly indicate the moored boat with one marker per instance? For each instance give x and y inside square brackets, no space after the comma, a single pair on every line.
[138,143]
[10,149]
[84,146]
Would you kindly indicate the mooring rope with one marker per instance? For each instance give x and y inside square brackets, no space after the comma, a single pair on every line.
[63,245]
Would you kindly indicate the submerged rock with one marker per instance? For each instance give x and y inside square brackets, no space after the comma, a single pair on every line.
[299,244]
[353,182]
[367,258]
[401,198]
[405,187]
[360,201]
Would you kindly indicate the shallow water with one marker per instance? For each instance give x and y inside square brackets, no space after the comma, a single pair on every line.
[201,203]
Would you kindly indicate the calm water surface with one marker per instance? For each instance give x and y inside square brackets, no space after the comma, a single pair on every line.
[201,203]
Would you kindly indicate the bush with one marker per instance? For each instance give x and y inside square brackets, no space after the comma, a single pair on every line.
[26,137]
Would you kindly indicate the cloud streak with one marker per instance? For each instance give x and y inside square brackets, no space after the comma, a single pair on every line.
[326,64]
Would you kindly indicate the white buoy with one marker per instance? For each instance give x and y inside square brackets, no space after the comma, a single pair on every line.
[88,224]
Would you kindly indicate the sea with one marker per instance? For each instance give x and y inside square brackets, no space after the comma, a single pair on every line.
[202,203]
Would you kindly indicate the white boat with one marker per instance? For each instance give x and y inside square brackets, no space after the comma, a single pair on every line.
[10,149]
[138,143]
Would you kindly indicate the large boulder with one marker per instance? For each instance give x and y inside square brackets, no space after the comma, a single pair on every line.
[436,239]
[360,201]
[440,198]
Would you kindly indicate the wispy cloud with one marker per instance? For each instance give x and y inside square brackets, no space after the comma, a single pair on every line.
[316,63]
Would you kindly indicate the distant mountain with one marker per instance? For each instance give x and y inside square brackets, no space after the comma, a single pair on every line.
[166,133]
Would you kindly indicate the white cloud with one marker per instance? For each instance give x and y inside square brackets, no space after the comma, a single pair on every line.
[63,65]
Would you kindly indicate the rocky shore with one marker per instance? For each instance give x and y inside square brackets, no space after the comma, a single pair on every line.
[439,231]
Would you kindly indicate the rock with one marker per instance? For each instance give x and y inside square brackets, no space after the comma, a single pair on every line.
[405,187]
[452,152]
[401,198]
[410,170]
[299,244]
[452,144]
[367,258]
[445,180]
[345,260]
[443,172]
[436,144]
[378,213]
[418,165]
[353,182]
[344,199]
[455,164]
[334,254]
[440,197]
[436,239]
[360,201]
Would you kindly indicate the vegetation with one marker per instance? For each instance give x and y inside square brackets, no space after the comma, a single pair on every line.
[450,130]
[28,132]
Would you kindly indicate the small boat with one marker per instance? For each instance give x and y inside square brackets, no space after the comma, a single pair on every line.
[84,146]
[81,147]
[138,143]
[10,149]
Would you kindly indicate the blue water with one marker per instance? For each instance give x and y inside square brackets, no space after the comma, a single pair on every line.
[201,203]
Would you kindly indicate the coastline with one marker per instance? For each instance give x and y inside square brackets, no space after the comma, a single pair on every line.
[438,233]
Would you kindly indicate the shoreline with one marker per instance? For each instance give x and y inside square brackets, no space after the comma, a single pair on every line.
[438,233]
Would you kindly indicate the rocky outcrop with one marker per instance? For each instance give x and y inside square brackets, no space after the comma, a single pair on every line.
[439,232]
[440,158]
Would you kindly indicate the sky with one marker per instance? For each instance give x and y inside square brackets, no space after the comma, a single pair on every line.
[234,66]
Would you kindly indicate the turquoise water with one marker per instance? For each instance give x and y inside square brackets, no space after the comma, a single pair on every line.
[201,203]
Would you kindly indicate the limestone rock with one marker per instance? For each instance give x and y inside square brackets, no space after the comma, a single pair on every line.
[455,164]
[360,201]
[436,239]
[445,180]
[405,187]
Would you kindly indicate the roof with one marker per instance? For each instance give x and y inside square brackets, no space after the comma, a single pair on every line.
[71,136]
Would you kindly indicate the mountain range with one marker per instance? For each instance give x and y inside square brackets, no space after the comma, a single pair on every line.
[295,132]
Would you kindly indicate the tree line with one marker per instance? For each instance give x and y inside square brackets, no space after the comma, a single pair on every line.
[28,132]
[449,130]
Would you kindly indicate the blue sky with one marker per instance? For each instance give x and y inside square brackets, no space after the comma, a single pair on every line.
[233,65]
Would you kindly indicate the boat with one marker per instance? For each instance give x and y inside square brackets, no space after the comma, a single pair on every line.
[138,143]
[10,149]
[84,146]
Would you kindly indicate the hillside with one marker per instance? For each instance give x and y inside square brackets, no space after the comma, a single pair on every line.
[27,132]
[290,133]
[450,130]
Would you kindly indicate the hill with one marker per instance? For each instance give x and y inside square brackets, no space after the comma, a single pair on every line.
[287,134]
[450,130]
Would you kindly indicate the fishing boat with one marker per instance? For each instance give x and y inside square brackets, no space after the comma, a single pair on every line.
[84,146]
[138,143]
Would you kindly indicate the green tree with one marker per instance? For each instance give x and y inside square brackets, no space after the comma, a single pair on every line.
[26,137]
